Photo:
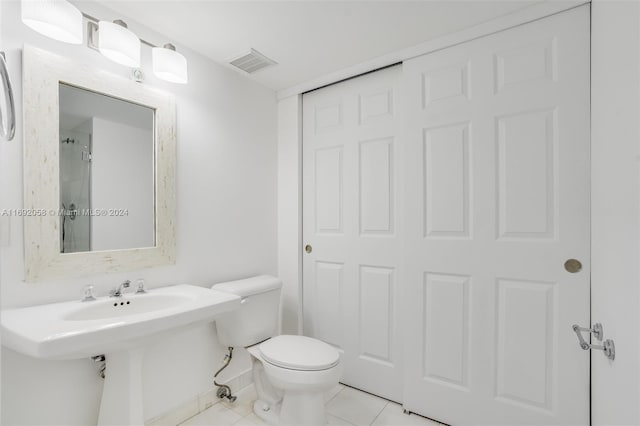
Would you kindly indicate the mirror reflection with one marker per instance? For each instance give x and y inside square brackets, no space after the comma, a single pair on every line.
[107,197]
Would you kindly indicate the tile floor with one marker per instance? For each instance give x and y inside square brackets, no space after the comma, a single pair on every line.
[345,407]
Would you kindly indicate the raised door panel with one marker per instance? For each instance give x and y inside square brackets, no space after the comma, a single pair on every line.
[526,174]
[446,181]
[328,294]
[377,314]
[526,327]
[526,64]
[446,329]
[447,82]
[376,191]
[328,117]
[329,190]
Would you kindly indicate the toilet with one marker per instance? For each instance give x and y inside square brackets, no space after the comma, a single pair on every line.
[291,373]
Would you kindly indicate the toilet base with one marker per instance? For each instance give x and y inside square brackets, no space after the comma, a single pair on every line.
[295,409]
[267,412]
[291,397]
[303,405]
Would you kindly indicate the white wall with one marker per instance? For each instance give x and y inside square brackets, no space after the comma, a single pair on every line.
[226,229]
[615,210]
[290,212]
[122,178]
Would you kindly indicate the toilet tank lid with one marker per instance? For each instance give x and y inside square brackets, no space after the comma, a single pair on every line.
[250,286]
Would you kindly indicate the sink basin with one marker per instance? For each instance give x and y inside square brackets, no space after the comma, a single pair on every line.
[76,329]
[119,327]
[125,306]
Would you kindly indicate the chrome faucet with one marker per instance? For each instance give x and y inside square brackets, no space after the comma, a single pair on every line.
[117,292]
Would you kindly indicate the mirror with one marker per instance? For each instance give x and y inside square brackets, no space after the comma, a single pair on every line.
[99,170]
[106,172]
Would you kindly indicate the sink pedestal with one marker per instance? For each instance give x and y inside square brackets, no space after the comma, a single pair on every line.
[122,394]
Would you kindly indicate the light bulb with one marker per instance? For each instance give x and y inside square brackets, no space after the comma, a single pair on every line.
[118,43]
[169,65]
[57,19]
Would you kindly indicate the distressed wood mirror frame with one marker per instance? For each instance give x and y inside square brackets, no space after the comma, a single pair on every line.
[42,73]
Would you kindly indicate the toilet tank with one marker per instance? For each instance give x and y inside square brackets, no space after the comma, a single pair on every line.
[257,318]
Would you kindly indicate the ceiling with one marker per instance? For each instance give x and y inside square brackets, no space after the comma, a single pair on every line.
[308,39]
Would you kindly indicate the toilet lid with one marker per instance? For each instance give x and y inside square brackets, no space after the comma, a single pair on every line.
[299,353]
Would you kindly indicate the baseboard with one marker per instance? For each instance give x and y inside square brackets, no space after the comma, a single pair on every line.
[199,403]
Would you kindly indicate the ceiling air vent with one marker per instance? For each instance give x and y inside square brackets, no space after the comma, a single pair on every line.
[252,61]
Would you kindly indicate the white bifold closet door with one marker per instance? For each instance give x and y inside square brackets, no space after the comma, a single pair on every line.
[441,200]
[352,220]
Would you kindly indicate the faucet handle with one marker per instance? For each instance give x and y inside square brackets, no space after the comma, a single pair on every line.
[140,286]
[88,294]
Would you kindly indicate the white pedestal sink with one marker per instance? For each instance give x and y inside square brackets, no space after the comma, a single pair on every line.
[120,328]
[122,394]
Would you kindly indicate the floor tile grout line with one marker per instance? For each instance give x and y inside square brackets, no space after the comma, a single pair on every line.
[360,391]
[363,392]
[344,420]
[332,398]
[378,415]
[189,418]
[240,419]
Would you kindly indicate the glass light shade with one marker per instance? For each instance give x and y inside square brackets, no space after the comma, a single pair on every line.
[118,44]
[169,65]
[57,19]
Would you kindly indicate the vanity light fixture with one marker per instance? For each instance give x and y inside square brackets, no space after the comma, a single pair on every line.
[60,20]
[57,19]
[169,65]
[118,43]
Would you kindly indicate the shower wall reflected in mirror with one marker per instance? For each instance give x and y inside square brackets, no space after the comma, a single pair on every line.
[75,181]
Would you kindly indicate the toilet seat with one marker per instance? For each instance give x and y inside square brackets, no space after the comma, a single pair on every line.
[299,353]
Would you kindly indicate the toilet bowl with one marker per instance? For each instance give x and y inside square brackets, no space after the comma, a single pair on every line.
[291,373]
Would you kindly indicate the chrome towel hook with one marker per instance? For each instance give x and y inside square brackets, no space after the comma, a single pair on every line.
[8,132]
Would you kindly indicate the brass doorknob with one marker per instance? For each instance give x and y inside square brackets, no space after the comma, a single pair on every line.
[573,266]
[308,248]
